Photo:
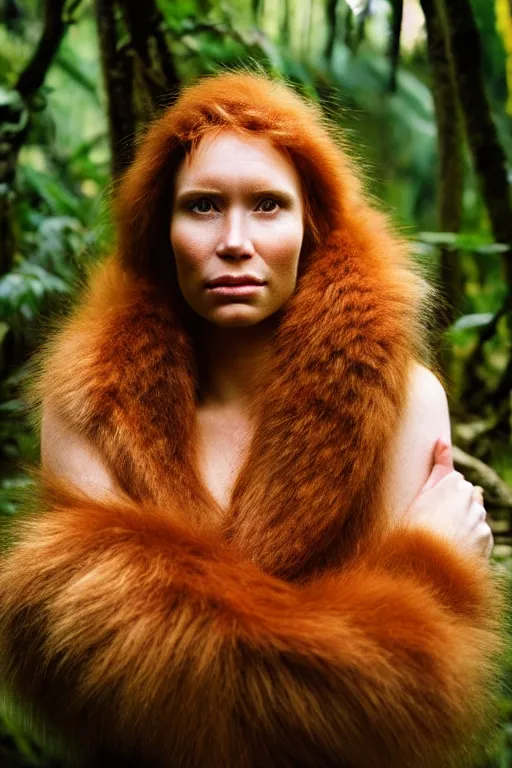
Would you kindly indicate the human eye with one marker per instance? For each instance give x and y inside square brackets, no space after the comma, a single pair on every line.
[201,205]
[268,205]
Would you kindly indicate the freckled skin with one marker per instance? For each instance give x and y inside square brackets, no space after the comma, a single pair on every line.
[239,230]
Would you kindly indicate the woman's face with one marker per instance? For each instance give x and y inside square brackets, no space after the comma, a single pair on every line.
[237,213]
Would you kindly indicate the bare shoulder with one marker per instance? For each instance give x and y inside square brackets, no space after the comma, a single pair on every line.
[426,387]
[425,418]
[71,455]
[426,411]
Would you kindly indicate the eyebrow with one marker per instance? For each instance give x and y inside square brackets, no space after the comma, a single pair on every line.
[193,193]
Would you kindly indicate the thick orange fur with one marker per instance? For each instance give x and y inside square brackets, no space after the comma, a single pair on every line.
[127,630]
[297,629]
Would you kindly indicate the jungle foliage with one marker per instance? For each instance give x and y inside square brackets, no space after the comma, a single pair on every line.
[422,90]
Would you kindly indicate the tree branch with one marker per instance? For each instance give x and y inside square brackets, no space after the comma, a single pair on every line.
[32,77]
[497,492]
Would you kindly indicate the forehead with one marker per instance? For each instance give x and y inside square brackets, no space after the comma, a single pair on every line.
[229,157]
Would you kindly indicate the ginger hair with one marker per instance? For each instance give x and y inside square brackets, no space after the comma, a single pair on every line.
[250,104]
[334,195]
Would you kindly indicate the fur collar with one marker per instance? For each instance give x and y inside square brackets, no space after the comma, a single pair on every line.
[142,631]
[122,371]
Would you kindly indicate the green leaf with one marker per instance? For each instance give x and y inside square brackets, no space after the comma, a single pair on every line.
[467,242]
[472,321]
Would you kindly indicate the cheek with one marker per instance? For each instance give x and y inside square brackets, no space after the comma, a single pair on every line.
[188,245]
[283,251]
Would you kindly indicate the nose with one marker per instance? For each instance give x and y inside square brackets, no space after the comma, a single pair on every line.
[235,241]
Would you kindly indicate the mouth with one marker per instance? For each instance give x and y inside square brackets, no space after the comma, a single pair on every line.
[231,281]
[238,289]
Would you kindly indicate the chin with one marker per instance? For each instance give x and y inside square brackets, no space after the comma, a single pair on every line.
[236,320]
[235,316]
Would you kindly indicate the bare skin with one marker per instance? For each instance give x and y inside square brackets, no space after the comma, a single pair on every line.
[238,211]
[218,226]
[233,358]
[426,493]
[451,506]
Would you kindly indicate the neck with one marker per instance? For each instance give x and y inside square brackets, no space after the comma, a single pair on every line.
[233,360]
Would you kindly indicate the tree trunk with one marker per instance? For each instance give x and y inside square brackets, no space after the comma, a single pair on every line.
[451,163]
[488,155]
[489,158]
[396,30]
[7,230]
[15,120]
[118,81]
[139,77]
[145,25]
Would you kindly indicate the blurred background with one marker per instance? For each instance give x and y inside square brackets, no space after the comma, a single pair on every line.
[422,90]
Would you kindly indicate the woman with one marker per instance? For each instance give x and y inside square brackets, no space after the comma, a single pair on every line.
[229,570]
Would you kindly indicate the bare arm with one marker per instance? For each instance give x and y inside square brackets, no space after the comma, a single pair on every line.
[425,419]
[73,456]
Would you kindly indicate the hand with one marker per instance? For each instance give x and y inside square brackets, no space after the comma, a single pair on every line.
[451,506]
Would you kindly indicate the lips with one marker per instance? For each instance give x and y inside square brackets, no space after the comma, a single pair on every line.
[230,280]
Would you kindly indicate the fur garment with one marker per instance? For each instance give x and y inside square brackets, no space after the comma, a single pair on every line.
[296,629]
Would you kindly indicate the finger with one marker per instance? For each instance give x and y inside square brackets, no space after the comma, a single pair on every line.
[478,494]
[443,463]
[479,511]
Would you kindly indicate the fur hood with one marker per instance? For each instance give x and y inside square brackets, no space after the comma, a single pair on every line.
[299,629]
